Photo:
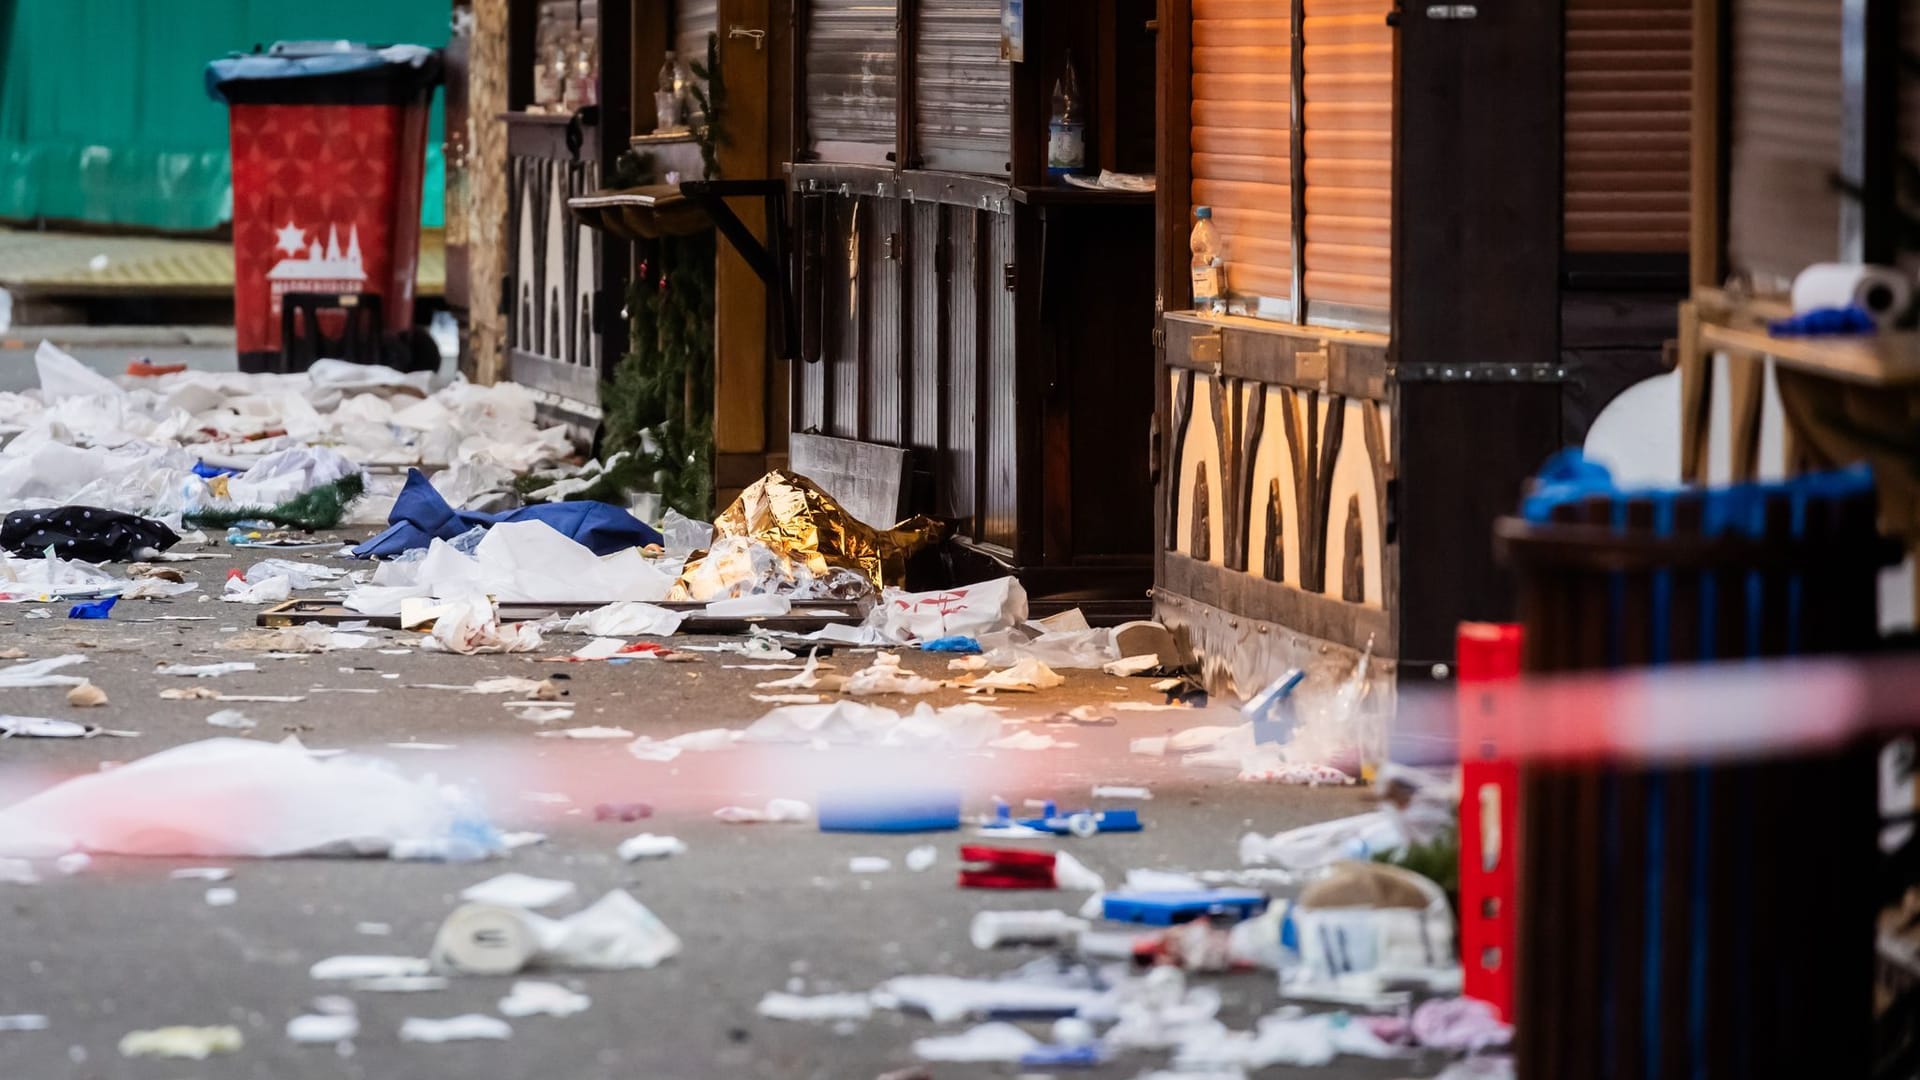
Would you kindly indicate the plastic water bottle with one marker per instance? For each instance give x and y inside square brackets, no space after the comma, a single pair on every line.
[1209,266]
[1067,128]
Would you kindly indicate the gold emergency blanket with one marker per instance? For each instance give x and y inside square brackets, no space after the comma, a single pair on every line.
[806,526]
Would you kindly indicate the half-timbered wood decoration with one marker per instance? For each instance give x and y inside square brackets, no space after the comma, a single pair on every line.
[564,281]
[1434,280]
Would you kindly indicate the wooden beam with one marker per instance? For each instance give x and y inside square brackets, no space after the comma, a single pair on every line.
[489,80]
[740,384]
[1705,218]
[1696,397]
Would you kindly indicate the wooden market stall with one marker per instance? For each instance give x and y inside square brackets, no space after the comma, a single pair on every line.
[955,304]
[1810,119]
[1452,233]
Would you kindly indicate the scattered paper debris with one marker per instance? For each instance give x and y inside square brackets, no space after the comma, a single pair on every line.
[817,1008]
[533,998]
[40,727]
[649,846]
[886,676]
[221,896]
[232,718]
[1027,676]
[37,673]
[201,873]
[205,671]
[519,890]
[583,732]
[987,1042]
[86,696]
[335,968]
[626,618]
[922,858]
[869,864]
[454,1029]
[194,1043]
[778,811]
[323,1028]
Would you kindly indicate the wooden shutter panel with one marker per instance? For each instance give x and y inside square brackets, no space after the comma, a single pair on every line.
[1348,116]
[693,21]
[963,112]
[1783,211]
[1629,72]
[851,65]
[1243,143]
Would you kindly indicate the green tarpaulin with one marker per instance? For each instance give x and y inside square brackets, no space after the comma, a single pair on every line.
[104,115]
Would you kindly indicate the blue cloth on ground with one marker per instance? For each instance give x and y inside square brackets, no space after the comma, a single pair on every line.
[955,644]
[420,516]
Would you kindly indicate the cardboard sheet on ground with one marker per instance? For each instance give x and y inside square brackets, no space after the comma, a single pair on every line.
[242,798]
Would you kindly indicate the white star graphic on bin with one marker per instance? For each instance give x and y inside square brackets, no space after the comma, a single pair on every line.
[292,239]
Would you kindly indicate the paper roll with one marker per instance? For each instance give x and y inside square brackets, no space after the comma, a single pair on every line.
[1881,291]
[486,939]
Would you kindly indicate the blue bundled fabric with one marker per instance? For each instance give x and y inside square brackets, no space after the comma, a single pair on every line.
[420,516]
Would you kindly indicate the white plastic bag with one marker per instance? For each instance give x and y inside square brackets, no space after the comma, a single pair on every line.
[970,611]
[239,798]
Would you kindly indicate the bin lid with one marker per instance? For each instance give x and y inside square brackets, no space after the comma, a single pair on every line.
[325,71]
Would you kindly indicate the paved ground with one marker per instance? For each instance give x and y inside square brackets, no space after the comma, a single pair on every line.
[108,349]
[119,947]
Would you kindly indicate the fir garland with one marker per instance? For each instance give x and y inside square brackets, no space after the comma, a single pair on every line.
[318,508]
[659,404]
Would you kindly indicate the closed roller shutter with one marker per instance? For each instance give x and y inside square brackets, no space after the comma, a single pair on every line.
[1783,211]
[1348,116]
[694,20]
[1243,143]
[963,116]
[1628,95]
[851,63]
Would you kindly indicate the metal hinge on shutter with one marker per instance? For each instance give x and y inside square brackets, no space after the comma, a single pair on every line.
[1452,12]
[1010,277]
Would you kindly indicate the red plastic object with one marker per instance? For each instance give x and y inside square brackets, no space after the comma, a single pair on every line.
[144,368]
[1005,868]
[1488,664]
[326,199]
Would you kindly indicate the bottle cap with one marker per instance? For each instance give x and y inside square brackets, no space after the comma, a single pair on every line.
[1204,213]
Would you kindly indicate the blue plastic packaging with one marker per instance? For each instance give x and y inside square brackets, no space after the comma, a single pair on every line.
[92,609]
[1071,823]
[958,643]
[883,812]
[1173,908]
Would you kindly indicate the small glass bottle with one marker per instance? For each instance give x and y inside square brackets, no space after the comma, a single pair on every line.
[550,71]
[666,99]
[1067,127]
[1209,263]
[583,82]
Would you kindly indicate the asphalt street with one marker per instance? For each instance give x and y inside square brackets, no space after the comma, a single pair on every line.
[120,947]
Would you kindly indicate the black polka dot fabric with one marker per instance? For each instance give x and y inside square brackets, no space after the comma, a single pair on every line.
[87,533]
